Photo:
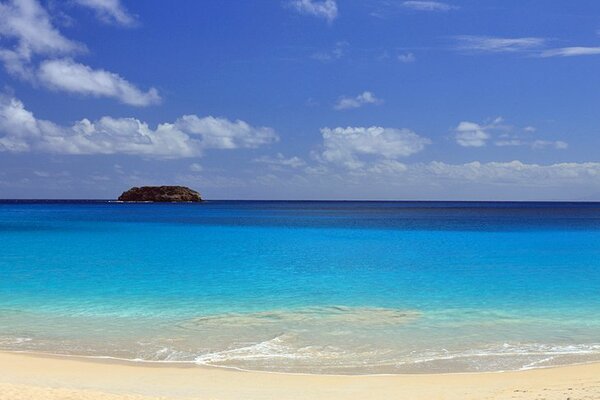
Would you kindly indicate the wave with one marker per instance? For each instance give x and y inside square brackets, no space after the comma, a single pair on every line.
[279,354]
[272,349]
[509,350]
[14,341]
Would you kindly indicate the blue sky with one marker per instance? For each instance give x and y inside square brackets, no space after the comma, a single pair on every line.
[301,99]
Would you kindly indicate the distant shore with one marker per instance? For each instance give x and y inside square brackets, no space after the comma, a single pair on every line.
[38,377]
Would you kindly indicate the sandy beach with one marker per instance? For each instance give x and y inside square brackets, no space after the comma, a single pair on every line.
[37,377]
[299,200]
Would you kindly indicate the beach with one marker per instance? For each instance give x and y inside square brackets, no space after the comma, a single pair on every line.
[299,200]
[39,377]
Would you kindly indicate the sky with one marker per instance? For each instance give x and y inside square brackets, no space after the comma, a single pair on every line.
[301,99]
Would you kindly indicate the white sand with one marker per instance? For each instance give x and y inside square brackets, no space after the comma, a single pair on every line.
[35,377]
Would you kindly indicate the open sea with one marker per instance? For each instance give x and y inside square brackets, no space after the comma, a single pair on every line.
[309,287]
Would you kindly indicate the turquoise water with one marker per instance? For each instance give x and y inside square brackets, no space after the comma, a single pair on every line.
[318,287]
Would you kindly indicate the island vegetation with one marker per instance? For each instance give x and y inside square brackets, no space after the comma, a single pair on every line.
[161,194]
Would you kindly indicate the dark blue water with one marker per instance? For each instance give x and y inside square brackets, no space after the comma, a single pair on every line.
[341,287]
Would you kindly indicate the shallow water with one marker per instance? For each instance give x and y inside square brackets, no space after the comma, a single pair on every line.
[319,287]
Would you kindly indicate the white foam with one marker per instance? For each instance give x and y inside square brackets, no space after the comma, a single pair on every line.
[14,340]
[546,351]
[271,349]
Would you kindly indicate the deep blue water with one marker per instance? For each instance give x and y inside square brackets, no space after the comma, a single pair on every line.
[350,287]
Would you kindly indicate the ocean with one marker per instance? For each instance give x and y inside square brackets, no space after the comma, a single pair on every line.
[306,287]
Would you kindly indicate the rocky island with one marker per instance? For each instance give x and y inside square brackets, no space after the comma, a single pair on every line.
[161,194]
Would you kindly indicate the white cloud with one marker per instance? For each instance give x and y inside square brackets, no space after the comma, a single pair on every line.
[28,23]
[536,144]
[195,167]
[446,176]
[514,172]
[555,144]
[535,45]
[509,142]
[407,58]
[15,65]
[498,44]
[383,178]
[343,146]
[326,56]
[316,170]
[326,9]
[109,11]
[221,133]
[29,35]
[345,103]
[188,136]
[471,134]
[424,5]
[281,160]
[571,52]
[70,76]
[387,167]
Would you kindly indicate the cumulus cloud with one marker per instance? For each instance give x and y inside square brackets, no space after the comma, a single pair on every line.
[571,52]
[326,9]
[221,133]
[424,5]
[281,160]
[188,136]
[70,76]
[109,11]
[491,44]
[471,134]
[345,146]
[345,103]
[29,35]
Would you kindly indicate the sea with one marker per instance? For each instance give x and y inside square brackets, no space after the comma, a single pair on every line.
[318,287]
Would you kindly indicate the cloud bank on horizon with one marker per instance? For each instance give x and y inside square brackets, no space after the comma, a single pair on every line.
[308,99]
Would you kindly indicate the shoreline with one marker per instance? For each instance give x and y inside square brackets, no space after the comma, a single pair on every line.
[193,364]
[48,377]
